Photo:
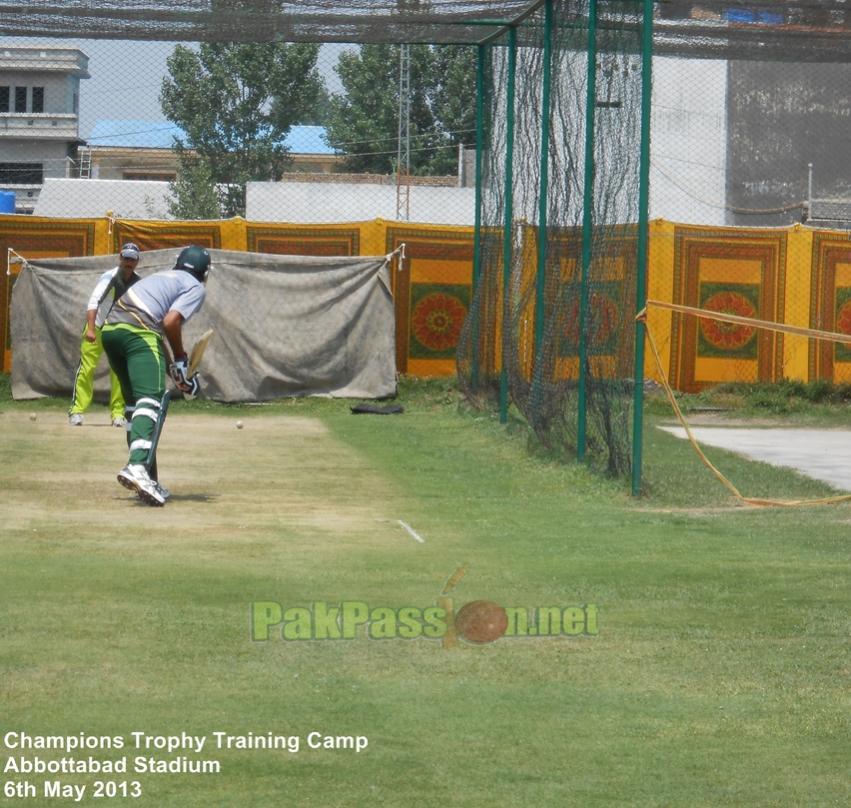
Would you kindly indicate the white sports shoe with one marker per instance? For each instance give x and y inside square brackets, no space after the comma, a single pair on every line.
[120,422]
[163,490]
[76,419]
[135,477]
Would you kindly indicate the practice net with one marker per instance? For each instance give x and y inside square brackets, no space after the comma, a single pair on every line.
[551,324]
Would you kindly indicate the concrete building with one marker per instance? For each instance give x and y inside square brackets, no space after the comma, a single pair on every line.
[39,125]
[144,150]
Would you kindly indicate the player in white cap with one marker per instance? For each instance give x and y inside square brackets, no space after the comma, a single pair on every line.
[110,286]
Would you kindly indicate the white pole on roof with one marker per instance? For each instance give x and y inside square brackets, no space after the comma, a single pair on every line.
[810,184]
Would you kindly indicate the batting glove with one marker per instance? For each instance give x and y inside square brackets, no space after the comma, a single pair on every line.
[178,369]
[192,388]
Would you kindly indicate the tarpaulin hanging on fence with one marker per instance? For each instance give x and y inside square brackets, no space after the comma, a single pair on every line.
[285,325]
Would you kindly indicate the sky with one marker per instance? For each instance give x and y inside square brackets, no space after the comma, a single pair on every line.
[126,76]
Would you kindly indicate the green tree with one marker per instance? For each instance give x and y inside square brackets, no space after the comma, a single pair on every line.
[364,120]
[318,115]
[236,103]
[194,193]
[454,104]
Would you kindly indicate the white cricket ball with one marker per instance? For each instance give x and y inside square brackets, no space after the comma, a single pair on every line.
[33,416]
[239,424]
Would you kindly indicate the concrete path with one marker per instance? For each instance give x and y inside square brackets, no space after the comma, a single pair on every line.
[824,454]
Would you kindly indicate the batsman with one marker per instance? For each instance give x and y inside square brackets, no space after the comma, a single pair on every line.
[149,314]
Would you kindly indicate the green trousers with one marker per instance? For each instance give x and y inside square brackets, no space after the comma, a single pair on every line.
[137,358]
[84,380]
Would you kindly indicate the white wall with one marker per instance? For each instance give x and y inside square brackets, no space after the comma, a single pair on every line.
[688,141]
[127,199]
[329,202]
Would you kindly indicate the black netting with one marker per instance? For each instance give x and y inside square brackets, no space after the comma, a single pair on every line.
[784,30]
[564,335]
[431,21]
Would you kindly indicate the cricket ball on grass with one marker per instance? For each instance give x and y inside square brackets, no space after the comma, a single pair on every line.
[481,621]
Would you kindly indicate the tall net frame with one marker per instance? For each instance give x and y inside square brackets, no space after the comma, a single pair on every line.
[551,329]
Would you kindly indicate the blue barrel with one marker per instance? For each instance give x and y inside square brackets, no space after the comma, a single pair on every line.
[7,201]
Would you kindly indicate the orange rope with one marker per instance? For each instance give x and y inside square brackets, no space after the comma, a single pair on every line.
[642,316]
[706,314]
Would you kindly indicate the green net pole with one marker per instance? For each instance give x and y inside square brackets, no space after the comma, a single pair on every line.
[587,229]
[541,269]
[477,237]
[508,217]
[641,247]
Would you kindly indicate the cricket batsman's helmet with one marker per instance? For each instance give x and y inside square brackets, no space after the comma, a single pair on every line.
[194,260]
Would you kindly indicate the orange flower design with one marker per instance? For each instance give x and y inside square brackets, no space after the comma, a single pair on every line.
[728,336]
[843,318]
[602,319]
[437,320]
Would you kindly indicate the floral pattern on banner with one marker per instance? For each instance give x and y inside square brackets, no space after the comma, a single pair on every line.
[437,316]
[602,323]
[728,340]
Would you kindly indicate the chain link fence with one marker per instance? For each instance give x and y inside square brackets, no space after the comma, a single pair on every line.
[750,191]
[270,132]
[350,148]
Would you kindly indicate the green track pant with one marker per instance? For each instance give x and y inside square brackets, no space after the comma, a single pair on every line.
[137,358]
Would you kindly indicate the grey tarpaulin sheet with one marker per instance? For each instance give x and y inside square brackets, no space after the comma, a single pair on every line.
[284,325]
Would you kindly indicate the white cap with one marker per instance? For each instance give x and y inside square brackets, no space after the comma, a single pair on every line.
[130,250]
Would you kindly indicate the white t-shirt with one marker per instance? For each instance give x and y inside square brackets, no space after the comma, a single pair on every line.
[97,301]
[156,295]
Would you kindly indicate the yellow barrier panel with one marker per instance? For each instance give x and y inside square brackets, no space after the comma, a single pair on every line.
[40,237]
[432,291]
[792,275]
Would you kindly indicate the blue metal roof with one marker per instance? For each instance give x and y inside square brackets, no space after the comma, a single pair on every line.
[161,135]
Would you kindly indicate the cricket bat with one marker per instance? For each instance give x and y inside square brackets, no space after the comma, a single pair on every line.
[198,351]
[194,361]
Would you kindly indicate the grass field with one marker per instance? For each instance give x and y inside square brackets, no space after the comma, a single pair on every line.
[718,674]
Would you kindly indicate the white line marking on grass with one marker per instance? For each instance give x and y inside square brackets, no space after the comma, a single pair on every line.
[414,535]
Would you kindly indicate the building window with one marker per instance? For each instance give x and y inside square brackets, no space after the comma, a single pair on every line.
[21,174]
[20,99]
[38,99]
[4,99]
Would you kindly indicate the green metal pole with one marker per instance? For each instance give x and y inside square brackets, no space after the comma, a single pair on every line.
[477,235]
[541,270]
[641,246]
[508,224]
[587,231]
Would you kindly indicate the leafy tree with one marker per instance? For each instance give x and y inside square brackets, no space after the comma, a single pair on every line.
[194,192]
[454,103]
[364,120]
[321,110]
[236,103]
